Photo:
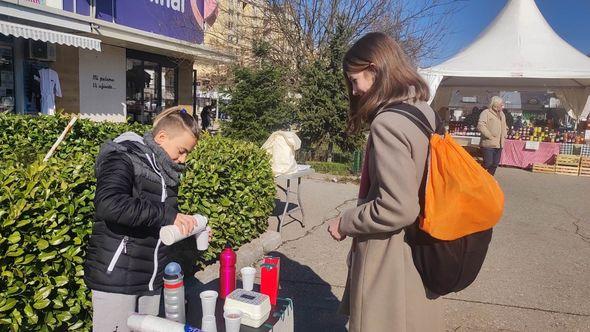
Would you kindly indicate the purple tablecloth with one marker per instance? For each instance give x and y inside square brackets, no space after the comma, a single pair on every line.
[514,154]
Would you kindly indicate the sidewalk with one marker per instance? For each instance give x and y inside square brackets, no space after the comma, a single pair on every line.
[535,277]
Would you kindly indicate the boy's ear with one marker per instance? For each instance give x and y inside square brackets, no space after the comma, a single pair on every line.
[161,136]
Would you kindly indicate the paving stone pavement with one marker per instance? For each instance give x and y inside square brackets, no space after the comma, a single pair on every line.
[536,276]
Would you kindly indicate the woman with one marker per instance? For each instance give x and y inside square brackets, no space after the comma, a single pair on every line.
[384,291]
[493,128]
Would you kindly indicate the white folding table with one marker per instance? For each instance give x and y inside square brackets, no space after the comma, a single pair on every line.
[302,171]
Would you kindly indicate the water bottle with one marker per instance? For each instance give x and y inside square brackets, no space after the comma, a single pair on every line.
[147,323]
[227,272]
[174,293]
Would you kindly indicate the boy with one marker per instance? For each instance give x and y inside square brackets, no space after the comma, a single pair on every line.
[136,194]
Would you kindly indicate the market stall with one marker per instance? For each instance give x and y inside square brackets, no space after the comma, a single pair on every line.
[533,58]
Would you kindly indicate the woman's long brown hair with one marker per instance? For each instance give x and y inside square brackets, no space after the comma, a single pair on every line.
[396,78]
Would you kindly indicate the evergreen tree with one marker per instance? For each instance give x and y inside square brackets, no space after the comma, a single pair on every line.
[259,102]
[323,108]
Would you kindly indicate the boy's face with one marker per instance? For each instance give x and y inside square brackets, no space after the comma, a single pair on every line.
[176,146]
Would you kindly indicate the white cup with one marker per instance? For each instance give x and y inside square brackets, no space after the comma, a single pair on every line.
[203,239]
[208,324]
[233,320]
[248,276]
[208,302]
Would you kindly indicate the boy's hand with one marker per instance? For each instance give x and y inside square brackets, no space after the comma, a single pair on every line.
[185,223]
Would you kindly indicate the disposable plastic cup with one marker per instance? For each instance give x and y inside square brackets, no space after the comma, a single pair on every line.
[208,302]
[203,239]
[233,320]
[208,324]
[248,276]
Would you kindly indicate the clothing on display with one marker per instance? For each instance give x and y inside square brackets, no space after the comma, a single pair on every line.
[50,88]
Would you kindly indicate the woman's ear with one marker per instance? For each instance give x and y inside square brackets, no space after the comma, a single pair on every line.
[160,137]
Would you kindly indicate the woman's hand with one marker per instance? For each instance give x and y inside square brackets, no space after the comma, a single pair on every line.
[185,223]
[334,229]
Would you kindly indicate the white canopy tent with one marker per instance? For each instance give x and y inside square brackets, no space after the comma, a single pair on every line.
[518,51]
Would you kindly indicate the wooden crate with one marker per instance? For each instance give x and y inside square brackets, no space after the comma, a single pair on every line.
[585,162]
[567,170]
[568,160]
[584,171]
[543,168]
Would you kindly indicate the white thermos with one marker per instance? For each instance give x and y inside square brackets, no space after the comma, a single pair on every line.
[171,234]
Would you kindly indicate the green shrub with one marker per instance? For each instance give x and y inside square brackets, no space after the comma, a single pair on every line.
[45,217]
[231,182]
[46,212]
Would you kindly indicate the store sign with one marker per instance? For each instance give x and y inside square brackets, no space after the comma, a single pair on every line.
[102,84]
[179,19]
[50,3]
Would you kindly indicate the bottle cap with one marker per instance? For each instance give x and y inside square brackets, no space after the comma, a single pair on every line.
[174,270]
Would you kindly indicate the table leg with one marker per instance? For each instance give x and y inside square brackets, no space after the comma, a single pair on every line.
[287,192]
[299,202]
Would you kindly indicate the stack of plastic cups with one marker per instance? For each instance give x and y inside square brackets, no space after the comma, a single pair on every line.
[208,304]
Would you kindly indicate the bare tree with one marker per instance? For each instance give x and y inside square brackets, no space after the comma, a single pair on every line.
[308,25]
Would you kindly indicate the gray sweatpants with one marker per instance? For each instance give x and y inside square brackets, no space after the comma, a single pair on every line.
[110,310]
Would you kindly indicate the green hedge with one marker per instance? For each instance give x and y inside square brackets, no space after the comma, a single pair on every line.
[330,168]
[46,212]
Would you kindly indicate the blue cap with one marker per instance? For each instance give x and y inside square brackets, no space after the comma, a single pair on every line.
[173,269]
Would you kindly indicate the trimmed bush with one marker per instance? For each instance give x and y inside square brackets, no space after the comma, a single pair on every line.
[45,219]
[232,183]
[46,212]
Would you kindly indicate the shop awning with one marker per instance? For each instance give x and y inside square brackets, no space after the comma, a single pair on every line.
[50,36]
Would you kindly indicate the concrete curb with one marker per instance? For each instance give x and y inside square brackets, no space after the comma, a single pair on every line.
[247,255]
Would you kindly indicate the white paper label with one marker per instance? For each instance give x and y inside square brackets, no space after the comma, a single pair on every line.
[531,145]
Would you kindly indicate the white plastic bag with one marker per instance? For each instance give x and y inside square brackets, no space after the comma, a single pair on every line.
[281,145]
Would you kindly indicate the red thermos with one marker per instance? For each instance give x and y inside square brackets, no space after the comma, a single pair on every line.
[269,278]
[227,272]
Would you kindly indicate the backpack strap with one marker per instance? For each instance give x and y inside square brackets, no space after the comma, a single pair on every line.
[418,118]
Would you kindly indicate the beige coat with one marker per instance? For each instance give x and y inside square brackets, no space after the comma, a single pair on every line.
[493,128]
[384,291]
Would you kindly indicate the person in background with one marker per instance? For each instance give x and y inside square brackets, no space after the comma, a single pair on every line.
[206,117]
[384,291]
[137,182]
[444,114]
[518,123]
[494,130]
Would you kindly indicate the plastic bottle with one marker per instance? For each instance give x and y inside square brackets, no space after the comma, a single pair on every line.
[227,272]
[174,293]
[147,323]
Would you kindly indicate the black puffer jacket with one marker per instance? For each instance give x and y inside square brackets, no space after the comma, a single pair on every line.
[124,254]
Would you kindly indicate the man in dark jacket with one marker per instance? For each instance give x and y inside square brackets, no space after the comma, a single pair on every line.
[136,194]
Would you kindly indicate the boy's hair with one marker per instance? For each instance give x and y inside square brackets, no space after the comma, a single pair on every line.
[175,119]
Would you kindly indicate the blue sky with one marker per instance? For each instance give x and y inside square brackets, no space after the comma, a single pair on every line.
[569,18]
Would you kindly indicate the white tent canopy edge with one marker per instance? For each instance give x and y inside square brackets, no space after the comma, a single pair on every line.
[518,51]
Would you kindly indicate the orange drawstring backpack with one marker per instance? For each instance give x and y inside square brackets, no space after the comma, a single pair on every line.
[460,203]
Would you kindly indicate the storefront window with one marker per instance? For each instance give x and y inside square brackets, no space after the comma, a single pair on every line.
[168,87]
[151,85]
[6,78]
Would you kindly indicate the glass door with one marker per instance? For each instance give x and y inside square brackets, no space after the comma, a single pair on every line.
[6,78]
[151,91]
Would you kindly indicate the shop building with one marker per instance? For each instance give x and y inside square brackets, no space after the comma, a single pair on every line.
[103,59]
